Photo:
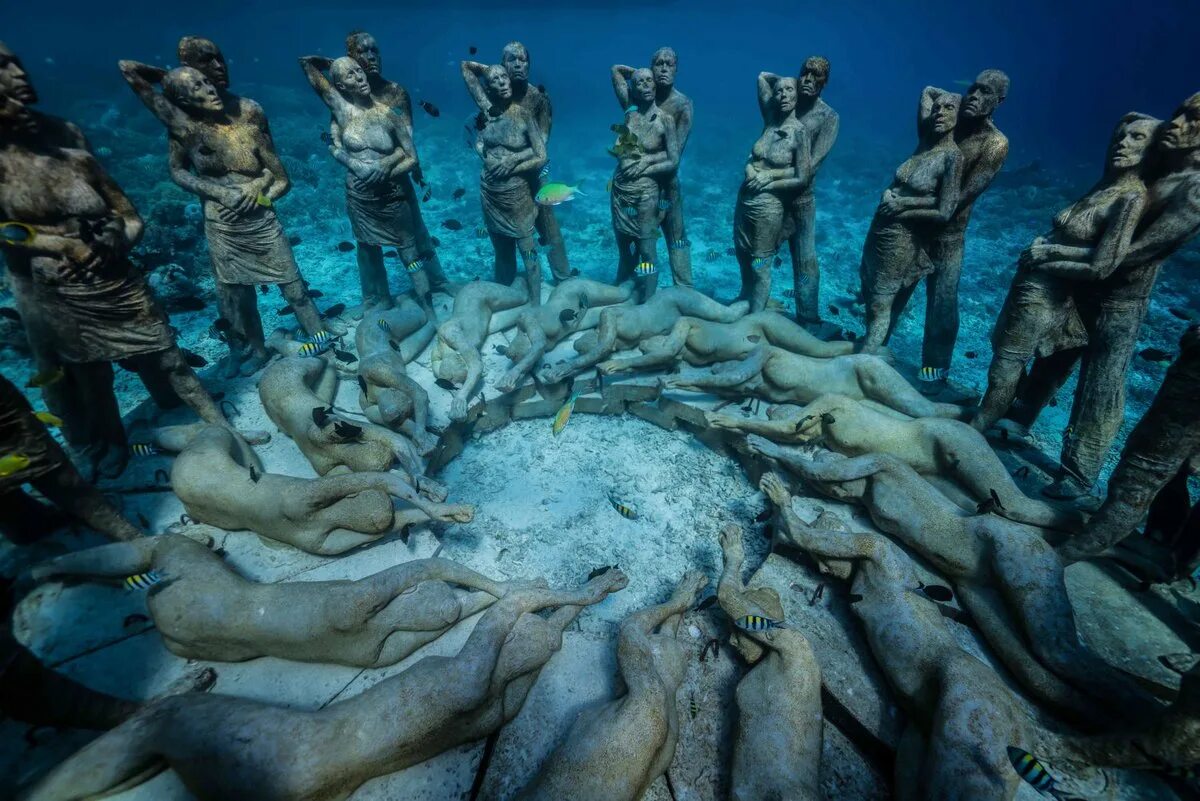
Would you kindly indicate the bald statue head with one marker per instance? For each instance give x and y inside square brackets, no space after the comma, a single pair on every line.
[204,55]
[988,91]
[813,76]
[350,78]
[663,64]
[1182,132]
[362,47]
[14,80]
[515,60]
[191,90]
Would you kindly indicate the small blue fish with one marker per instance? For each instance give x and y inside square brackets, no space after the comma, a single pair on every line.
[143,581]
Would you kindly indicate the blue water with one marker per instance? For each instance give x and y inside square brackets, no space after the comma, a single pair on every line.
[1075,67]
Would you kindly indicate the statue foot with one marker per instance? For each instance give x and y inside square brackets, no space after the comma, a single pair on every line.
[732,546]
[456,514]
[196,680]
[232,365]
[254,363]
[1066,488]
[431,489]
[610,580]
[776,491]
[255,436]
[689,587]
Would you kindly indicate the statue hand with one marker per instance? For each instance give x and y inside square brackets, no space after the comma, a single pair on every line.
[500,169]
[633,169]
[889,205]
[721,421]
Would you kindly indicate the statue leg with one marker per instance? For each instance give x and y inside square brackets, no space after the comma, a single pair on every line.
[882,384]
[425,247]
[533,269]
[1099,406]
[878,320]
[171,364]
[941,308]
[229,305]
[910,758]
[372,277]
[32,693]
[679,249]
[551,236]
[296,293]
[69,492]
[627,257]
[806,272]
[1038,387]
[108,451]
[505,265]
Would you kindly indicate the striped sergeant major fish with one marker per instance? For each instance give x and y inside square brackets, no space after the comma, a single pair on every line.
[757,623]
[312,348]
[322,338]
[143,449]
[1034,774]
[143,581]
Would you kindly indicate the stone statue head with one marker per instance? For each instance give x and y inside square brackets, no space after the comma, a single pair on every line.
[350,78]
[362,47]
[519,347]
[664,63]
[813,76]
[14,80]
[16,119]
[989,90]
[642,83]
[515,60]
[189,89]
[1182,132]
[1131,141]
[446,363]
[204,55]
[394,406]
[943,113]
[785,95]
[498,83]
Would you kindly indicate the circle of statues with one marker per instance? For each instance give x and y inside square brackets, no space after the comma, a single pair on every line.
[841,421]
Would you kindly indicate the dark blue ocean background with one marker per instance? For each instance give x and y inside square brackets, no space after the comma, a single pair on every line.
[1075,66]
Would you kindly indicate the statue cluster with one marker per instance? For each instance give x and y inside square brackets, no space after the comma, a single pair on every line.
[843,423]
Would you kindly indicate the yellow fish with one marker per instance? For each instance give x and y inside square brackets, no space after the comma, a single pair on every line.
[143,581]
[13,463]
[263,201]
[624,510]
[757,623]
[312,348]
[51,420]
[47,377]
[564,414]
[143,449]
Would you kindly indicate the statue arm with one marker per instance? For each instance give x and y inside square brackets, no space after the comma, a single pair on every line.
[545,115]
[472,75]
[534,157]
[668,161]
[277,181]
[182,175]
[314,69]
[775,430]
[131,226]
[116,560]
[683,126]
[823,141]
[925,107]
[826,543]
[766,88]
[620,83]
[665,353]
[1110,251]
[141,79]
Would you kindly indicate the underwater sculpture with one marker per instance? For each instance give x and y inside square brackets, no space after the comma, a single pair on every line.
[220,745]
[204,610]
[819,126]
[455,356]
[1164,439]
[624,327]
[930,445]
[534,99]
[664,64]
[573,306]
[1115,307]
[386,342]
[924,194]
[780,376]
[647,151]
[701,342]
[774,175]
[375,146]
[221,151]
[222,482]
[984,149]
[88,304]
[1005,573]
[1053,297]
[29,455]
[961,716]
[513,151]
[362,47]
[615,750]
[297,394]
[777,746]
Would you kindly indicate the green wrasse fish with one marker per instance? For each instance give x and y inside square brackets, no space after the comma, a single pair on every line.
[555,193]
[564,414]
[46,377]
[263,201]
[13,463]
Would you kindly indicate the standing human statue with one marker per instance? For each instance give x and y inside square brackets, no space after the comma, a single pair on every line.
[647,151]
[534,99]
[374,145]
[363,48]
[923,195]
[678,106]
[773,177]
[512,151]
[819,125]
[221,150]
[984,149]
[68,230]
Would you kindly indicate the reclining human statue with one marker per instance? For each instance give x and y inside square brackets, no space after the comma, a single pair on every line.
[204,610]
[624,327]
[222,483]
[1005,574]
[219,745]
[616,749]
[934,447]
[778,738]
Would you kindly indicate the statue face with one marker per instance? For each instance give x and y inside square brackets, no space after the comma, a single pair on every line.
[1183,130]
[664,65]
[499,83]
[945,113]
[192,90]
[1129,144]
[812,81]
[350,78]
[207,57]
[643,85]
[785,95]
[365,50]
[981,101]
[14,80]
[515,61]
[15,117]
